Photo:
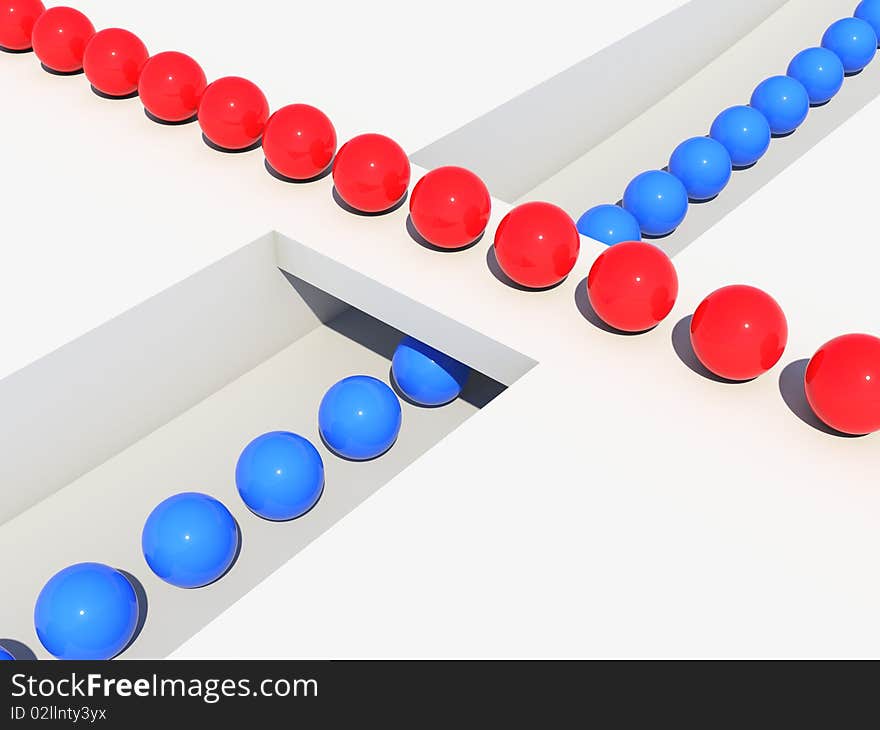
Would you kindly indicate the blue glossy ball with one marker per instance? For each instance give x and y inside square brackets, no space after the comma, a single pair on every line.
[86,611]
[869,11]
[658,200]
[783,101]
[609,224]
[744,132]
[359,417]
[280,475]
[703,165]
[190,540]
[820,71]
[425,375]
[853,40]
[5,656]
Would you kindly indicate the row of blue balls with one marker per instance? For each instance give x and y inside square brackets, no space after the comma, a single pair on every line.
[90,610]
[656,202]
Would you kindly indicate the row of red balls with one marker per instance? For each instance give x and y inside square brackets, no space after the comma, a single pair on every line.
[737,333]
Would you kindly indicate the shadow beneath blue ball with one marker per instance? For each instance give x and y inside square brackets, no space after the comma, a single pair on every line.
[792,390]
[143,607]
[18,649]
[269,519]
[348,458]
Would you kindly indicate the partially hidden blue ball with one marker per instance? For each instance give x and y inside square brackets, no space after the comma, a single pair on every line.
[190,540]
[86,611]
[426,376]
[658,200]
[359,417]
[703,165]
[280,475]
[744,132]
[820,71]
[869,11]
[609,224]
[853,40]
[5,656]
[783,101]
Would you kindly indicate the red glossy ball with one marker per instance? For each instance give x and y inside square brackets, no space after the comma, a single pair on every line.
[233,113]
[842,384]
[171,86]
[59,38]
[739,332]
[632,286]
[299,141]
[450,207]
[371,173]
[17,18]
[537,245]
[113,61]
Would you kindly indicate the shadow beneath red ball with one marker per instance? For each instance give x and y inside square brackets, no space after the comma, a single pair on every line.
[582,302]
[366,214]
[498,273]
[97,92]
[425,243]
[61,73]
[793,392]
[166,123]
[217,148]
[681,343]
[294,181]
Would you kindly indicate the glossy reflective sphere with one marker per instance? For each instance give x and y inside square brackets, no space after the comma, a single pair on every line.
[703,165]
[17,18]
[171,86]
[658,200]
[739,332]
[427,376]
[371,173]
[59,38]
[609,224]
[537,245]
[869,11]
[783,101]
[450,207]
[113,61]
[86,611]
[853,40]
[359,417]
[5,656]
[842,383]
[233,113]
[299,141]
[280,475]
[632,286]
[190,540]
[820,71]
[744,132]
